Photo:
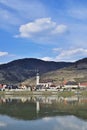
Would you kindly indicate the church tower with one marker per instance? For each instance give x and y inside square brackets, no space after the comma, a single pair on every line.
[37,78]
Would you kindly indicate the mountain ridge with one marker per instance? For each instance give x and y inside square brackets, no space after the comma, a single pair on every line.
[76,72]
[21,69]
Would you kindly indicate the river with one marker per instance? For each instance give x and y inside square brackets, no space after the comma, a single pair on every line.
[43,113]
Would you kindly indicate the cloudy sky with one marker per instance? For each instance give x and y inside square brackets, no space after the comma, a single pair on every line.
[45,29]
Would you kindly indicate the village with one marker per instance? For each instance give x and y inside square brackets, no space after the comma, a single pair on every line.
[45,86]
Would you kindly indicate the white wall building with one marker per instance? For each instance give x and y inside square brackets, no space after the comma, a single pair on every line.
[44,84]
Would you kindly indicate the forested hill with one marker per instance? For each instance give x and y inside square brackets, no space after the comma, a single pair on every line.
[76,71]
[22,69]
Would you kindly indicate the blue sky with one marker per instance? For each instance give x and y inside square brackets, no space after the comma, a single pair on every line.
[46,29]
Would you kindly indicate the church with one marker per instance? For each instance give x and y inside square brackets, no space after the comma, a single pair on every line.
[45,84]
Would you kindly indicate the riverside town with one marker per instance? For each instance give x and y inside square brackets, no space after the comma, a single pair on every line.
[46,86]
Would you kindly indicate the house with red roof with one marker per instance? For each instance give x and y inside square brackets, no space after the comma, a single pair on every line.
[1,87]
[83,84]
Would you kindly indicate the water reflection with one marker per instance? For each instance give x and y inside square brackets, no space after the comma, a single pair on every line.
[48,123]
[43,112]
[43,99]
[33,107]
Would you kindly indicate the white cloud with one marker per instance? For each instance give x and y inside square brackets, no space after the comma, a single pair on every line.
[3,54]
[60,29]
[69,55]
[14,13]
[8,19]
[28,7]
[72,54]
[57,49]
[47,58]
[78,13]
[41,30]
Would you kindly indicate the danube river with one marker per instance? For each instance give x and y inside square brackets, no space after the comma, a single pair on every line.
[43,113]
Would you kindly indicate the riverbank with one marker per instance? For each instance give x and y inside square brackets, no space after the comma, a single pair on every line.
[27,93]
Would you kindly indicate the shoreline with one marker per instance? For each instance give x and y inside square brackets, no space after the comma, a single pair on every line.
[43,93]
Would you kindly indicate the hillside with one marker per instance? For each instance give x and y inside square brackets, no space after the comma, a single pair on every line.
[77,72]
[19,70]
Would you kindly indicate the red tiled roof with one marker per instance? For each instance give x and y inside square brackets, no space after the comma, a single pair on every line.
[83,83]
[1,86]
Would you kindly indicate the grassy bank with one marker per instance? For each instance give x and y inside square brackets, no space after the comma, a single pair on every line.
[27,93]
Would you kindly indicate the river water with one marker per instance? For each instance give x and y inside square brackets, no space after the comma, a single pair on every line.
[43,113]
